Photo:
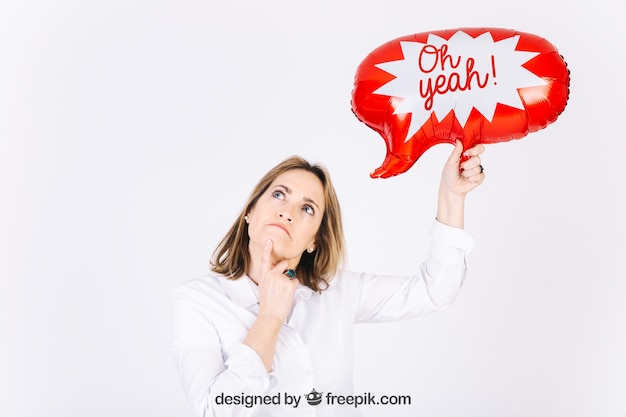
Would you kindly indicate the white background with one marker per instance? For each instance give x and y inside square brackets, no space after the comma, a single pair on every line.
[131,132]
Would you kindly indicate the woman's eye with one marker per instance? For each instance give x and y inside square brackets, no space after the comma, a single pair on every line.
[278,194]
[308,210]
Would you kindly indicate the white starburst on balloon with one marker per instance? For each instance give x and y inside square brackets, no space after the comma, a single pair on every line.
[458,74]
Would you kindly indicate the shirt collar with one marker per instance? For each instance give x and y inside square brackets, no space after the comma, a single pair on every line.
[240,291]
[302,293]
[245,292]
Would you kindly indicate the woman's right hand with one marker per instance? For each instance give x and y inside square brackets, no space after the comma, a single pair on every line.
[276,290]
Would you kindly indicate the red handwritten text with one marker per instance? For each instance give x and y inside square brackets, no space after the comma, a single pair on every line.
[455,76]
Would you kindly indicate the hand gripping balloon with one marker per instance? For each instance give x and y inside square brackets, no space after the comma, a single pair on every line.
[478,85]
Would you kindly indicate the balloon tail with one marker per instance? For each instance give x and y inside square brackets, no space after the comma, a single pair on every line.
[392,166]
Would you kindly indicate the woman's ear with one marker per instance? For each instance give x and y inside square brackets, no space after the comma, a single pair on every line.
[248,215]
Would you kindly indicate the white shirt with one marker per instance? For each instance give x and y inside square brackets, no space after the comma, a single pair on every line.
[223,377]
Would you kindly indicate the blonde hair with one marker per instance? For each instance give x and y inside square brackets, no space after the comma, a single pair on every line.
[315,270]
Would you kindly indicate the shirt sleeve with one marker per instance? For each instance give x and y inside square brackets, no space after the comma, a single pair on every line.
[433,288]
[206,376]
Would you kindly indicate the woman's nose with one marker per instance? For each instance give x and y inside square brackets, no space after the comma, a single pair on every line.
[285,215]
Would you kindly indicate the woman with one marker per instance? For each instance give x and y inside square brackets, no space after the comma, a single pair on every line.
[272,325]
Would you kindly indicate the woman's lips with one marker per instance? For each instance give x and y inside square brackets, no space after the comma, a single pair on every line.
[281,226]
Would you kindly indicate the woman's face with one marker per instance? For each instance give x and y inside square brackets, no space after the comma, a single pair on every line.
[289,213]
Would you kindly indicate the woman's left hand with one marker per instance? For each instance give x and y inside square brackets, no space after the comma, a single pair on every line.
[461,174]
[462,177]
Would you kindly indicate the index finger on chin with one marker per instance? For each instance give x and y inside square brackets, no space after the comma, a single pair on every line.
[266,260]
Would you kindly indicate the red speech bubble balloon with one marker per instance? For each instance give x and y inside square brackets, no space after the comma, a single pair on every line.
[478,85]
